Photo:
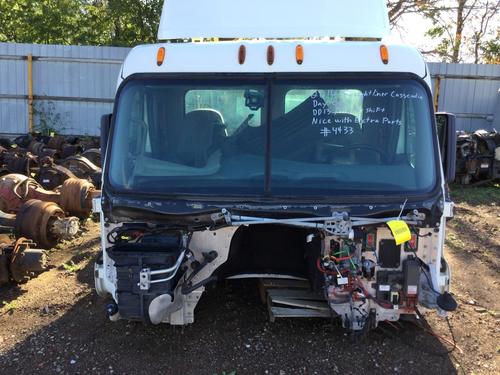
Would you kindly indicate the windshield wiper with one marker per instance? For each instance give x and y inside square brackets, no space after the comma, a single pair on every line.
[339,223]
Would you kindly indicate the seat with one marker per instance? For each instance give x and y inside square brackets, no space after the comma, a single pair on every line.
[201,134]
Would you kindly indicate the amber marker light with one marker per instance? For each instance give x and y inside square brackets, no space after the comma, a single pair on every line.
[242,54]
[270,55]
[384,54]
[160,56]
[299,54]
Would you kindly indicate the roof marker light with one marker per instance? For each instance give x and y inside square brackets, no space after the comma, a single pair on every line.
[299,54]
[242,54]
[270,55]
[384,54]
[160,56]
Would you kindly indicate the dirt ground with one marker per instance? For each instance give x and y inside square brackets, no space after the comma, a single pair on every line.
[56,324]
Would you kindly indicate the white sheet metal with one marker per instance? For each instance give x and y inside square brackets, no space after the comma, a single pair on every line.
[319,56]
[182,19]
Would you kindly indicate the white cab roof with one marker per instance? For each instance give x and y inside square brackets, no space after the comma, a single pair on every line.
[272,19]
[319,56]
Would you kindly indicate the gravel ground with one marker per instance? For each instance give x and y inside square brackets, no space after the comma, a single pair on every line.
[55,324]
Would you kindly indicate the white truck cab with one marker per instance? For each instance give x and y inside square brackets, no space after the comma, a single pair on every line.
[282,139]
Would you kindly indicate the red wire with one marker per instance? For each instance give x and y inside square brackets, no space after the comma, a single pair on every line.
[369,296]
[340,259]
[322,270]
[328,272]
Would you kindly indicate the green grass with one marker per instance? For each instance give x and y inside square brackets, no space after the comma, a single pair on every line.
[476,195]
[453,241]
[10,306]
[71,267]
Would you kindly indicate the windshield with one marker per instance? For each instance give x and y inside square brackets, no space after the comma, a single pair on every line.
[272,136]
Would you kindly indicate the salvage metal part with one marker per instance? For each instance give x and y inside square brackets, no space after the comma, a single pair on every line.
[65,148]
[19,261]
[75,196]
[22,154]
[43,222]
[93,155]
[478,156]
[56,142]
[18,162]
[51,175]
[15,189]
[80,166]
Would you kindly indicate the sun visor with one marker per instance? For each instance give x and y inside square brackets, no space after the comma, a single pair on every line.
[186,19]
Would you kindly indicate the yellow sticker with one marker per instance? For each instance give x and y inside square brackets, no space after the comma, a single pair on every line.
[400,231]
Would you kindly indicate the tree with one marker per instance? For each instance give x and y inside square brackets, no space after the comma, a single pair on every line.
[134,21]
[50,21]
[491,50]
[398,8]
[481,31]
[461,25]
[95,22]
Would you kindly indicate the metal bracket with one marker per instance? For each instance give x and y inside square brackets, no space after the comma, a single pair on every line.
[448,209]
[340,224]
[96,205]
[145,275]
[145,279]
[223,215]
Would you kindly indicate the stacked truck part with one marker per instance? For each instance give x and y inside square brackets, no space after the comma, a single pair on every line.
[43,222]
[20,261]
[74,196]
[478,157]
[46,187]
[51,160]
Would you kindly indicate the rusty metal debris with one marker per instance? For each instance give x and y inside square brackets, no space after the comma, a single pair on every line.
[478,157]
[48,159]
[20,261]
[82,167]
[43,222]
[51,175]
[46,186]
[93,155]
[74,196]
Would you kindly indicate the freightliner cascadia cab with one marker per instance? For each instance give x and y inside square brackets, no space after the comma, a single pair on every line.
[276,140]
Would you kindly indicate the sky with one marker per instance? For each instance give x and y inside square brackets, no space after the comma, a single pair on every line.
[412,29]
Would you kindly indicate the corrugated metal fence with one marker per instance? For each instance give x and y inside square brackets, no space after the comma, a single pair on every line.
[469,91]
[75,85]
[78,83]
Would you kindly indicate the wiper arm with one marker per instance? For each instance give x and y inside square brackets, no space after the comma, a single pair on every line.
[340,223]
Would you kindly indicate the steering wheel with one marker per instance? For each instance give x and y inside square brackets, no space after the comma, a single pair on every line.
[364,146]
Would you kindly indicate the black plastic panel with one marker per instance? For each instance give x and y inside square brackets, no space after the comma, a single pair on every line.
[389,254]
[133,303]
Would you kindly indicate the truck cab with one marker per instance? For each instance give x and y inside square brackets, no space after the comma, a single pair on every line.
[281,141]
